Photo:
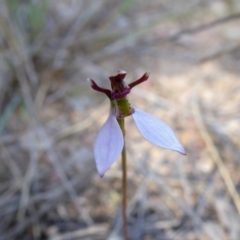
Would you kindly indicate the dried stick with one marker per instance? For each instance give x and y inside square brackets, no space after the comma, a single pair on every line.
[205,26]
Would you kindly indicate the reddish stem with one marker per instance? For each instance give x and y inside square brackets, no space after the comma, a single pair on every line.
[124,183]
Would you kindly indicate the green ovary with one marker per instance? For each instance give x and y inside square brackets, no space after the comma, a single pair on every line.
[123,107]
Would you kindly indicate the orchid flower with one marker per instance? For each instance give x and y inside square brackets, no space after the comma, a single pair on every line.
[109,142]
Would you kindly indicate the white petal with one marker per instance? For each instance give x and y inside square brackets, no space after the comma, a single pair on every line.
[156,131]
[108,145]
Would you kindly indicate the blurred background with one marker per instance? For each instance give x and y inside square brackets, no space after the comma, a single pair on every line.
[50,116]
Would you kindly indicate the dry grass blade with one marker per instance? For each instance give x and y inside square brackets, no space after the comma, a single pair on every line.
[27,221]
[197,221]
[206,26]
[13,167]
[26,185]
[77,26]
[83,124]
[4,118]
[19,46]
[40,132]
[215,155]
[96,230]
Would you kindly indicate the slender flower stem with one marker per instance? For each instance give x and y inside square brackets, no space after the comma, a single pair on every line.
[124,182]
